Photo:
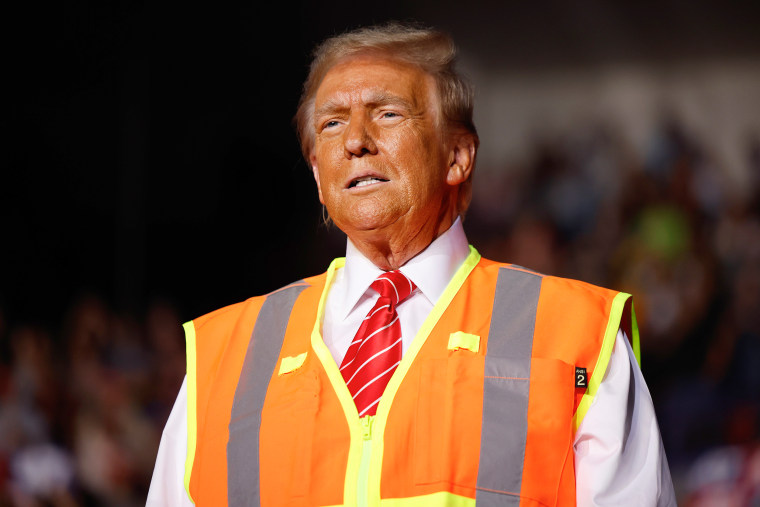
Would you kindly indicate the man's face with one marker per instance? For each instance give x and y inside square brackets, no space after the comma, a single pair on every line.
[380,158]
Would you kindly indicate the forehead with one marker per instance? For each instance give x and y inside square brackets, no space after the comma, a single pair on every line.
[364,78]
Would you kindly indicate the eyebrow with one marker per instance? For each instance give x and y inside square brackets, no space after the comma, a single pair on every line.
[373,99]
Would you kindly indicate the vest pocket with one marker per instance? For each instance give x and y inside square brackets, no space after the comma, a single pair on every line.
[447,430]
[464,399]
[526,429]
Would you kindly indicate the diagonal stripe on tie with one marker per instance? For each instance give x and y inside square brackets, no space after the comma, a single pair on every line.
[375,351]
[381,355]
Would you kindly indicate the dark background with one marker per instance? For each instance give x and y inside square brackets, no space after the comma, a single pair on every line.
[151,153]
[149,161]
[150,150]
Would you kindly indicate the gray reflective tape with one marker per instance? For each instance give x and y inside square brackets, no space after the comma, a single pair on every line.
[505,388]
[514,314]
[245,422]
[491,499]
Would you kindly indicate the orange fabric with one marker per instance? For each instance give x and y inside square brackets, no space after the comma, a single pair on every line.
[301,465]
[435,418]
[567,311]
[285,466]
[433,431]
[585,310]
[220,360]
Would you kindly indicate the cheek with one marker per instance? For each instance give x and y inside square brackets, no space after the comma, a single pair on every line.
[409,150]
[426,163]
[325,158]
[397,145]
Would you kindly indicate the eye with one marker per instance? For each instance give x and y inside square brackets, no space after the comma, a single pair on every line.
[390,114]
[329,125]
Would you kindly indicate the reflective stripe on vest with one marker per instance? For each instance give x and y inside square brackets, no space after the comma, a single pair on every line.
[258,367]
[503,347]
[505,387]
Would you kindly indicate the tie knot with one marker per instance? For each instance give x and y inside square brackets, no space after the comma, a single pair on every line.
[394,285]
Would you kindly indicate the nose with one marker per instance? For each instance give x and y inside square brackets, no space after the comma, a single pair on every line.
[357,140]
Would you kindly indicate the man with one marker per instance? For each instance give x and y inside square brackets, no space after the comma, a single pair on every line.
[413,372]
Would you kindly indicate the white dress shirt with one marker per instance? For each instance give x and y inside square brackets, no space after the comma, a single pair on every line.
[619,458]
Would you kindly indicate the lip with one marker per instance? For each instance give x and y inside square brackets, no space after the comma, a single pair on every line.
[350,182]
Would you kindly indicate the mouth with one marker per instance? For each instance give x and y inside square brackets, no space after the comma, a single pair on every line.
[365,181]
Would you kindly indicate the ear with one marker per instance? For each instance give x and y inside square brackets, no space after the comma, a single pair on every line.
[315,172]
[461,158]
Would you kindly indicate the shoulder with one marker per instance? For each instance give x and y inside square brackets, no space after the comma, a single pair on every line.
[574,321]
[229,316]
[559,303]
[554,286]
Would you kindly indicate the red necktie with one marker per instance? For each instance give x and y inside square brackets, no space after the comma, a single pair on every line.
[375,351]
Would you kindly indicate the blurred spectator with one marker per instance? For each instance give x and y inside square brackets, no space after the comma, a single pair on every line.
[725,476]
[85,430]
[666,226]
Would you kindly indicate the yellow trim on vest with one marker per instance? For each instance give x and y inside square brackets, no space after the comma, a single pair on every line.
[355,453]
[440,499]
[291,363]
[341,390]
[383,408]
[635,343]
[467,341]
[613,324]
[192,396]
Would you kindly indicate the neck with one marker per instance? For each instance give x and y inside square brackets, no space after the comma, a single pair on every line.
[389,250]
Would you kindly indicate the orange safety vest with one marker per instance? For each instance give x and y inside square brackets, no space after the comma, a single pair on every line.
[482,408]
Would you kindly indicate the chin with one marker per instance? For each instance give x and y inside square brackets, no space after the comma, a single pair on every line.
[363,226]
[365,219]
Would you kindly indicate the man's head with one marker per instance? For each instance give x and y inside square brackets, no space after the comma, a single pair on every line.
[431,50]
[386,103]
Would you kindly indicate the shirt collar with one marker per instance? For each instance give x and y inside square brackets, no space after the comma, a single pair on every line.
[431,270]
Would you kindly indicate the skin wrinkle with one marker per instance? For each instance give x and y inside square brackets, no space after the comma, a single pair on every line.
[374,99]
[380,117]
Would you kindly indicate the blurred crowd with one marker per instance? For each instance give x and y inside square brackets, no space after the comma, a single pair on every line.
[669,225]
[82,408]
[81,416]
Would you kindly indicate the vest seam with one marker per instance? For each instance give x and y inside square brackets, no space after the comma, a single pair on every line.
[523,270]
[299,283]
[498,491]
[519,335]
[518,495]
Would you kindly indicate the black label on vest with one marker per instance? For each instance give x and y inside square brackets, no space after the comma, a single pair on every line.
[581,379]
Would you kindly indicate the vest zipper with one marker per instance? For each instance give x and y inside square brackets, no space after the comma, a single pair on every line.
[363,479]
